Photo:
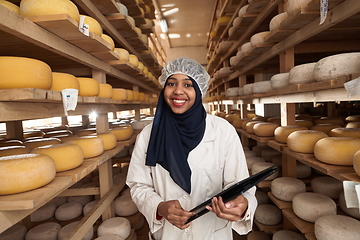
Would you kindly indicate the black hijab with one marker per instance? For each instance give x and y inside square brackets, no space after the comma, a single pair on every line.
[174,135]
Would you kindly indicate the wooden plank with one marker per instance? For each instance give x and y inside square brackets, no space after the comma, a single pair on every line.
[80,192]
[310,236]
[351,177]
[299,19]
[120,22]
[124,66]
[277,35]
[303,226]
[92,43]
[80,172]
[314,5]
[280,204]
[105,56]
[106,6]
[268,228]
[256,5]
[276,145]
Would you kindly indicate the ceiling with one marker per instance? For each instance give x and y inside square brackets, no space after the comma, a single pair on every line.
[191,21]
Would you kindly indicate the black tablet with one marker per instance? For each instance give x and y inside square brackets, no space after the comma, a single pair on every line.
[234,191]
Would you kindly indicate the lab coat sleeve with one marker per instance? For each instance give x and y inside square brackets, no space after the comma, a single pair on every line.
[140,182]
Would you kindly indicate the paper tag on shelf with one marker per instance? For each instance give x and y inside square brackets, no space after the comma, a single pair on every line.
[84,28]
[70,98]
[350,193]
[323,10]
[353,87]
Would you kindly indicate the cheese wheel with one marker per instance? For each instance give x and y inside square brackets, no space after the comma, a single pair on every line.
[353,212]
[129,95]
[225,44]
[12,142]
[30,8]
[243,10]
[65,156]
[237,123]
[110,237]
[119,94]
[87,208]
[345,132]
[142,96]
[262,87]
[43,213]
[331,67]
[256,235]
[251,160]
[265,129]
[68,211]
[109,40]
[303,170]
[259,166]
[58,201]
[89,87]
[137,30]
[293,5]
[304,122]
[13,150]
[324,127]
[261,197]
[133,60]
[337,150]
[258,38]
[336,227]
[327,186]
[58,133]
[63,139]
[356,162]
[286,188]
[44,231]
[303,73]
[234,60]
[353,125]
[246,48]
[281,133]
[63,81]
[353,118]
[140,66]
[15,232]
[231,117]
[268,214]
[249,153]
[257,149]
[118,225]
[64,231]
[223,19]
[94,25]
[304,141]
[109,140]
[122,54]
[249,126]
[10,6]
[279,80]
[122,132]
[124,206]
[34,143]
[287,234]
[33,133]
[248,89]
[330,120]
[269,153]
[277,20]
[105,90]
[20,72]
[122,9]
[91,146]
[225,71]
[85,132]
[131,21]
[83,200]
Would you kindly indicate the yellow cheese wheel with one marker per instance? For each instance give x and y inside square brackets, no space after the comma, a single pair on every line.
[119,94]
[353,118]
[249,127]
[109,140]
[109,40]
[337,150]
[133,60]
[94,25]
[304,141]
[244,122]
[140,66]
[330,120]
[49,7]
[91,146]
[281,133]
[20,72]
[63,81]
[65,156]
[137,30]
[34,143]
[12,142]
[302,122]
[142,96]
[353,125]
[89,87]
[13,150]
[85,132]
[265,129]
[224,19]
[105,90]
[10,6]
[237,123]
[58,133]
[130,95]
[356,162]
[33,133]
[136,95]
[231,117]
[20,173]
[145,70]
[122,132]
[345,132]
[324,127]
[123,54]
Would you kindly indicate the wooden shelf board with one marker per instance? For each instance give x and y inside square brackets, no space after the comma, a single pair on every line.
[139,19]
[279,203]
[310,236]
[351,177]
[80,172]
[299,19]
[276,145]
[124,66]
[268,228]
[314,5]
[277,35]
[303,226]
[106,6]
[120,22]
[133,9]
[105,55]
[256,6]
[130,141]
[264,184]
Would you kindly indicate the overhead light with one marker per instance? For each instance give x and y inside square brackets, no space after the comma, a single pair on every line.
[163,25]
[171,11]
[188,35]
[174,35]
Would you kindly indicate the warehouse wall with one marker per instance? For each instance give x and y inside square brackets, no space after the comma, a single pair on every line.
[197,53]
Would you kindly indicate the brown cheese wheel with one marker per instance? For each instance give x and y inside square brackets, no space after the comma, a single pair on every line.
[327,186]
[268,214]
[15,232]
[249,127]
[345,132]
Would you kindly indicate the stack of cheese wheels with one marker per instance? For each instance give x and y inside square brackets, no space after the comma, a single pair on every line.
[249,127]
[109,140]
[85,132]
[119,94]
[268,214]
[43,213]
[303,73]
[309,206]
[65,230]
[119,226]
[287,234]
[337,150]
[38,142]
[68,211]
[62,81]
[337,227]
[93,25]
[293,5]
[122,54]
[259,166]
[353,212]
[20,72]
[251,160]
[330,120]
[265,129]
[92,146]
[345,132]
[29,8]
[65,156]
[281,133]
[10,6]
[13,150]
[129,95]
[327,186]
[15,232]
[286,188]
[105,90]
[122,132]
[304,141]
[248,89]
[44,231]
[89,87]
[277,20]
[109,40]
[262,87]
[324,127]
[337,65]
[356,162]
[124,206]
[279,80]
[255,235]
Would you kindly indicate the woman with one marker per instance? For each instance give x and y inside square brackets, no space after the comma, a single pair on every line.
[184,158]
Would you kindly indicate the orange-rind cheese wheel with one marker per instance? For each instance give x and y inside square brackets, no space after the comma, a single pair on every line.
[122,133]
[34,143]
[119,94]
[92,146]
[63,81]
[105,90]
[10,6]
[89,87]
[304,141]
[281,133]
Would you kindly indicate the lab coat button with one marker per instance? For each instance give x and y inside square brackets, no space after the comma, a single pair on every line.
[186,230]
[185,196]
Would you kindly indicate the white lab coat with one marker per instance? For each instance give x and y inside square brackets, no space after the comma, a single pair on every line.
[216,163]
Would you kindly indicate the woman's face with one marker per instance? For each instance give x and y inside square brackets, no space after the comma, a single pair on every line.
[179,93]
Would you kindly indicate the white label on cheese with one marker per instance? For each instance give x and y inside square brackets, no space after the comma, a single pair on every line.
[323,10]
[357,189]
[351,198]
[84,28]
[70,98]
[353,87]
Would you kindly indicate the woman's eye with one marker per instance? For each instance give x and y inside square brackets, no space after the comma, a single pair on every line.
[188,85]
[170,84]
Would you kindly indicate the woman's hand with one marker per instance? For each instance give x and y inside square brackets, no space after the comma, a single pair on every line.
[232,210]
[174,213]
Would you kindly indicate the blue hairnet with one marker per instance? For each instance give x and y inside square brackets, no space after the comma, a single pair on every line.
[188,67]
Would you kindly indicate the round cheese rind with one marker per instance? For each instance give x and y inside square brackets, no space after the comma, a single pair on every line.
[327,186]
[248,89]
[12,142]
[279,80]
[10,6]
[287,234]
[353,125]
[259,166]
[330,120]
[269,153]
[109,40]
[83,200]
[277,20]
[310,206]
[286,188]
[249,126]
[124,206]
[133,60]
[293,5]
[265,129]
[38,142]
[337,150]
[94,25]
[15,232]
[353,118]
[49,7]
[63,81]
[268,214]
[303,73]
[262,197]
[89,87]
[21,72]
[85,132]
[281,133]
[44,213]
[258,38]
[87,208]
[13,150]
[336,227]
[122,53]
[345,132]
[44,231]
[68,211]
[92,146]
[105,90]
[109,140]
[119,94]
[353,212]
[122,132]
[20,173]
[325,127]
[64,231]
[262,87]
[304,141]
[303,170]
[251,160]
[129,95]
[246,47]
[118,225]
